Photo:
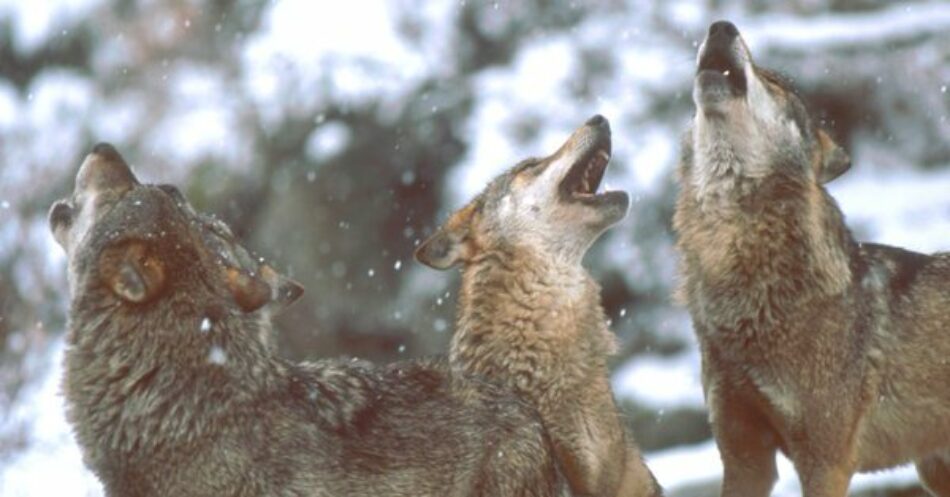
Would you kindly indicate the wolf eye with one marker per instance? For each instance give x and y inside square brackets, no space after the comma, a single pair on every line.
[528,165]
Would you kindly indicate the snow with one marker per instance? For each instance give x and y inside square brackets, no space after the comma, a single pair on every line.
[51,442]
[539,86]
[34,22]
[700,464]
[357,56]
[327,140]
[907,208]
[822,32]
[203,122]
[217,355]
[9,103]
[536,79]
[120,117]
[661,382]
[55,100]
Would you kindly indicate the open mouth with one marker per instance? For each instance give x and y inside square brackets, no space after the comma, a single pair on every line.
[584,178]
[718,66]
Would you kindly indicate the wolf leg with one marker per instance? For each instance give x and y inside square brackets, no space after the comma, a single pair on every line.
[824,480]
[637,480]
[747,449]
[934,472]
[748,471]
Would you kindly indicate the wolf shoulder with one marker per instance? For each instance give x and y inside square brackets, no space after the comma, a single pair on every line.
[903,274]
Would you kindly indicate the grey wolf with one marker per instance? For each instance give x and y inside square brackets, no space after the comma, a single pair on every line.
[530,316]
[171,389]
[830,350]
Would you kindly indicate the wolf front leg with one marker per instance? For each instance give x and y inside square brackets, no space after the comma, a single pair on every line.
[747,445]
[825,479]
[748,458]
[824,447]
[746,441]
[637,480]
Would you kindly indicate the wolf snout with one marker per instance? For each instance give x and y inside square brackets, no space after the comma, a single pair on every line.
[724,30]
[105,169]
[720,71]
[598,121]
[719,51]
[106,151]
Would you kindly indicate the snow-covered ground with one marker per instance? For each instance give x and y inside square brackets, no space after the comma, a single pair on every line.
[53,464]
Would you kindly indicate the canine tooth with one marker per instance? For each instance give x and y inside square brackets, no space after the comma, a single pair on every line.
[726,72]
[603,155]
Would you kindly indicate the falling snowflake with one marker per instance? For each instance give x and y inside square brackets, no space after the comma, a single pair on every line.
[217,355]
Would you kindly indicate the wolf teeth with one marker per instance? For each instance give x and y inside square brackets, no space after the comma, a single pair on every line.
[589,180]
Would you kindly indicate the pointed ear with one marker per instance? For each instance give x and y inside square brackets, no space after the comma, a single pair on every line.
[249,292]
[452,243]
[132,273]
[283,290]
[833,161]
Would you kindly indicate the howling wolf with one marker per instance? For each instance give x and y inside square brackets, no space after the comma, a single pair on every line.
[172,391]
[832,351]
[530,316]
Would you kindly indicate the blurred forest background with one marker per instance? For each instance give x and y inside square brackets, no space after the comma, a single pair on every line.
[334,136]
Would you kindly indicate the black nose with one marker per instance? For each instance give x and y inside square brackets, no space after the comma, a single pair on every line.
[106,151]
[597,120]
[724,29]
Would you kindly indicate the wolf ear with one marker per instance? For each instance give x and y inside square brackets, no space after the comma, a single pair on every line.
[268,288]
[834,161]
[283,290]
[451,243]
[132,273]
[249,292]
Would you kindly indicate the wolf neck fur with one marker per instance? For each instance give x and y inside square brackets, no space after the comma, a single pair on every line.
[773,233]
[135,382]
[521,314]
[727,154]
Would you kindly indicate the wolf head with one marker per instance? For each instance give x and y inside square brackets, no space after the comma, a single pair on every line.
[131,244]
[547,205]
[749,121]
